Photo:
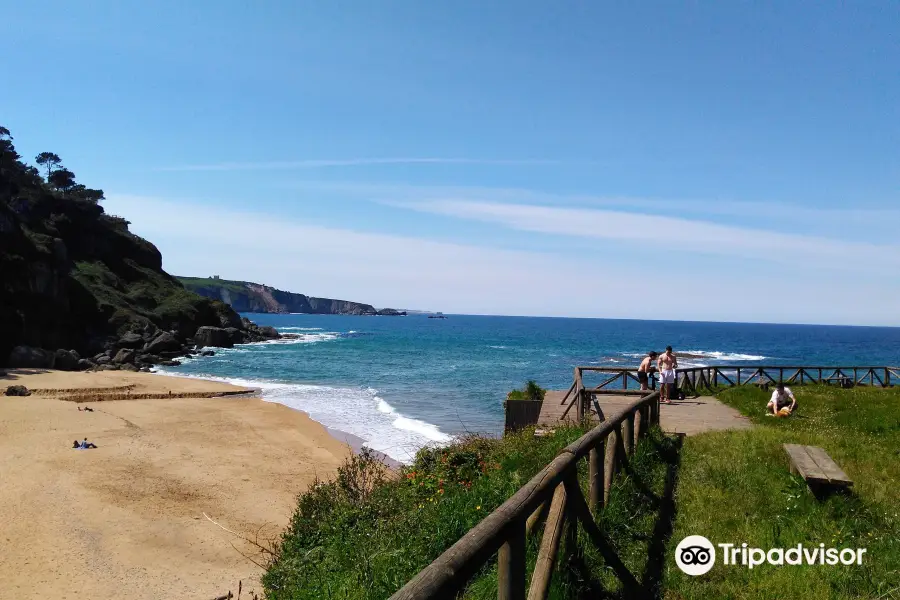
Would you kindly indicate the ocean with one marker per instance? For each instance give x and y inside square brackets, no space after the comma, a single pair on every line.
[399,383]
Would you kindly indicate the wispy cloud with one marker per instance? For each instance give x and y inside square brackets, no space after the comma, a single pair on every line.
[854,220]
[360,162]
[394,270]
[674,234]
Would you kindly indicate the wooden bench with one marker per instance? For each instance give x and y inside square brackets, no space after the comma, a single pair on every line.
[815,466]
[844,381]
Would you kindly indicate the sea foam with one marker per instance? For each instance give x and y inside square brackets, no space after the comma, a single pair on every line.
[357,411]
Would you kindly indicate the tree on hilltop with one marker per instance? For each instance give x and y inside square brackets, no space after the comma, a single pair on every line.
[86,193]
[49,160]
[62,179]
[7,150]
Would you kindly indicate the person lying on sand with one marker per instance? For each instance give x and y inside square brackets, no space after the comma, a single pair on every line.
[782,402]
[86,409]
[85,445]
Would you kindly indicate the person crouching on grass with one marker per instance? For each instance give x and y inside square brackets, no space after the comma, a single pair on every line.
[782,402]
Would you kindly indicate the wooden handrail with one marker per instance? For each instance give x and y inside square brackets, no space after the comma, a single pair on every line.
[504,529]
[695,378]
[746,366]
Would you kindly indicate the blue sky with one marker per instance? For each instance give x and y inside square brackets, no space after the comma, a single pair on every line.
[715,161]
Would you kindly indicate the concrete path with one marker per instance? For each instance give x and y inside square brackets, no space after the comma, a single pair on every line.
[690,416]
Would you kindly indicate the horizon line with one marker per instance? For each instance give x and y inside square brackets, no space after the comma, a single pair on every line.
[453,314]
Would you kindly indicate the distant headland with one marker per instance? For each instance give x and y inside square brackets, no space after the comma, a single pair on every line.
[246,296]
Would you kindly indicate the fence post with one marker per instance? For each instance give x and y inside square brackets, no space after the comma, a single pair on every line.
[571,517]
[596,474]
[628,434]
[511,565]
[579,408]
[638,426]
[609,464]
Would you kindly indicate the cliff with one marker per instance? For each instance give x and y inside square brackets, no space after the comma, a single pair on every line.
[75,278]
[246,296]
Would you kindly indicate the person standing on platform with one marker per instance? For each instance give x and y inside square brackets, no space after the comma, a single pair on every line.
[666,363]
[644,370]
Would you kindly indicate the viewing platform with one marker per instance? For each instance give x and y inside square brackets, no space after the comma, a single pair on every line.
[689,416]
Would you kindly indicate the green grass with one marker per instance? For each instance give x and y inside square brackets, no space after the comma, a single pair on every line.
[364,535]
[530,391]
[736,487]
[193,283]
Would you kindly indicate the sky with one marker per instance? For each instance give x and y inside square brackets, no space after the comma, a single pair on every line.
[727,161]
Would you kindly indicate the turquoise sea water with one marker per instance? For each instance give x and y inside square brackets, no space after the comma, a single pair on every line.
[402,382]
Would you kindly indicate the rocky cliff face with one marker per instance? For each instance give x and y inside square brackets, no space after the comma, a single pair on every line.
[245,296]
[75,278]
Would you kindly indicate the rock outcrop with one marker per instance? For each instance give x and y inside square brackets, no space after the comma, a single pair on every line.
[67,360]
[216,337]
[17,390]
[28,357]
[246,296]
[75,278]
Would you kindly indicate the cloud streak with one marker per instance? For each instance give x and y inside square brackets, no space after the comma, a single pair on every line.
[395,270]
[676,234]
[360,162]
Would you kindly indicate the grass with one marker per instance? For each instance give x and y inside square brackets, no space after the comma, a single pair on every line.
[367,533]
[193,283]
[531,391]
[364,535]
[736,487]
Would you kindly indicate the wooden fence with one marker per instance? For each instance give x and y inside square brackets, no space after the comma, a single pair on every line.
[694,380]
[554,492]
[694,377]
[521,413]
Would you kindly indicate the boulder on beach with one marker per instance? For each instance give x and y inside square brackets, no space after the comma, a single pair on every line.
[213,336]
[66,360]
[84,364]
[125,355]
[164,341]
[131,340]
[207,353]
[26,356]
[147,359]
[17,390]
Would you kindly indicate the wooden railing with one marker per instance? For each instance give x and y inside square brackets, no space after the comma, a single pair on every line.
[713,376]
[694,380]
[554,492]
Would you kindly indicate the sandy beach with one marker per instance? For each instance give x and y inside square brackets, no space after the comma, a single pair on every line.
[126,520]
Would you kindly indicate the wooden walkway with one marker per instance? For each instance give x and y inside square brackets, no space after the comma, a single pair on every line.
[690,417]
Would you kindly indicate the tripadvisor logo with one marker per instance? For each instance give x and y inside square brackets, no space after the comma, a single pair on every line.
[696,555]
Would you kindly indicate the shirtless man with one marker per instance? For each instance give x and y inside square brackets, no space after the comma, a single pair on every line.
[666,363]
[644,370]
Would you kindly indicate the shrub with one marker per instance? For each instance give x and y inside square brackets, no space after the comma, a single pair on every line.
[531,391]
